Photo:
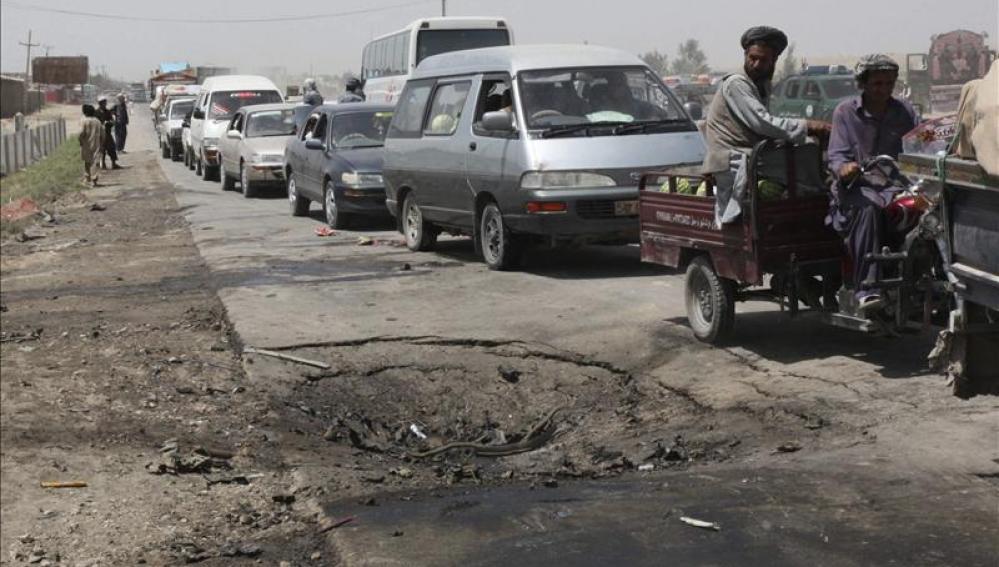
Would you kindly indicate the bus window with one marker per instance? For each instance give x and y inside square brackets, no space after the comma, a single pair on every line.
[435,42]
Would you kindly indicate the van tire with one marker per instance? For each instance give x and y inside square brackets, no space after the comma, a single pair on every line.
[710,302]
[197,166]
[501,250]
[164,150]
[249,188]
[420,234]
[299,205]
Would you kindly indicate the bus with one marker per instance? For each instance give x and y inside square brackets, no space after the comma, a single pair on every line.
[388,60]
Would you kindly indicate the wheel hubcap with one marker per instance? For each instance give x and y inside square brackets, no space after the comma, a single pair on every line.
[292,192]
[702,297]
[493,233]
[413,220]
[242,178]
[330,206]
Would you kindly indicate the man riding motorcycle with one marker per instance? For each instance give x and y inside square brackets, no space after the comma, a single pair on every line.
[868,125]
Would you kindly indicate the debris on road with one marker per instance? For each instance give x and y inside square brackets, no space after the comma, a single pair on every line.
[535,439]
[646,467]
[324,231]
[364,241]
[508,373]
[17,337]
[97,207]
[19,209]
[64,484]
[700,523]
[416,431]
[328,525]
[790,447]
[287,357]
[199,460]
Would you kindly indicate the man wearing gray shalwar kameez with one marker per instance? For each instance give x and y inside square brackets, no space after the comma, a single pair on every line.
[739,117]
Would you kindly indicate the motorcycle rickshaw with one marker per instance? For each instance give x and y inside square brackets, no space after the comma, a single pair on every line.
[780,243]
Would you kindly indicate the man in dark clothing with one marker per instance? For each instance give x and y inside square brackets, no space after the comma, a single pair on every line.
[354,92]
[865,126]
[120,123]
[106,117]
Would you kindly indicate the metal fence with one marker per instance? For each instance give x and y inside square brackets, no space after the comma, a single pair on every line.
[24,147]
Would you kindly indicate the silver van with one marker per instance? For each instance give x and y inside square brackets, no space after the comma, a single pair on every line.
[530,144]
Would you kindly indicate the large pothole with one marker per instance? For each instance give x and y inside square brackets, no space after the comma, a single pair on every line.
[390,399]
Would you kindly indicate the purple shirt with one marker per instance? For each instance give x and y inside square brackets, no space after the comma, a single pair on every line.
[857,135]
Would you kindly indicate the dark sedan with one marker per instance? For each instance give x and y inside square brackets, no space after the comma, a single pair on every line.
[336,159]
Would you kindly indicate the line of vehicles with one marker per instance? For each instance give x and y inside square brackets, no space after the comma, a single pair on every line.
[519,146]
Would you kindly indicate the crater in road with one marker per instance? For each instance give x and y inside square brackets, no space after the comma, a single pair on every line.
[386,399]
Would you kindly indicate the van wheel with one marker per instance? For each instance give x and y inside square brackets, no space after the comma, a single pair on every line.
[299,204]
[197,167]
[248,187]
[187,159]
[228,183]
[420,235]
[500,249]
[164,150]
[710,302]
[335,218]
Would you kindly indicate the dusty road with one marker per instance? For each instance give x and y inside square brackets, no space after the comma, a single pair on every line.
[806,444]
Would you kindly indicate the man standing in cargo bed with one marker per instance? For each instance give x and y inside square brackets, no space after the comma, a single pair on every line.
[739,117]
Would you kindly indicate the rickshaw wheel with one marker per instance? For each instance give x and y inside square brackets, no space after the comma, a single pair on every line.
[710,302]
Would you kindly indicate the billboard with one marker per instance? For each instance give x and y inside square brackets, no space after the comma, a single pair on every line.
[60,70]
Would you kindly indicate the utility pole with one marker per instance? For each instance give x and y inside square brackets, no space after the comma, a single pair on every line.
[27,69]
[444,8]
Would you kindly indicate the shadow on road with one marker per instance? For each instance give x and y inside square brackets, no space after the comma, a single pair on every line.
[774,336]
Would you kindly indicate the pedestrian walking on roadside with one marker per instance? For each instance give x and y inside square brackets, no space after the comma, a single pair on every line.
[106,117]
[120,123]
[310,93]
[91,143]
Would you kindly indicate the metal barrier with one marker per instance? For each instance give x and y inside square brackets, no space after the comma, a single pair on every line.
[24,147]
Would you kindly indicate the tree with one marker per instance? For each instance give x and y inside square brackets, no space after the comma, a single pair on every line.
[790,64]
[690,60]
[657,62]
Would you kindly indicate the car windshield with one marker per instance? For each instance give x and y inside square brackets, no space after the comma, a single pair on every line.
[361,129]
[593,96]
[271,123]
[435,42]
[225,104]
[180,109]
[840,88]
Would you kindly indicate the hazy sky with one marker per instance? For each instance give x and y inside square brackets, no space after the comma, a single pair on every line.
[130,49]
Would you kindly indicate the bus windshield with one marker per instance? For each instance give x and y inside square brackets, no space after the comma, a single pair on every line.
[435,42]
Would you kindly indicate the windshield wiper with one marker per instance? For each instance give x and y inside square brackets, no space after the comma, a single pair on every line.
[555,131]
[644,125]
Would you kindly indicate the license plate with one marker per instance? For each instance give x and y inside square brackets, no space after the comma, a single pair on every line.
[625,208]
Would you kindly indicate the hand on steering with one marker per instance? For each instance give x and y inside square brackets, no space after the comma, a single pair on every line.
[848,171]
[818,128]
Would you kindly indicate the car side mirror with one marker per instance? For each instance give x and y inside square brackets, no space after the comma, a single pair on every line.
[234,134]
[314,144]
[694,110]
[198,113]
[499,121]
[186,123]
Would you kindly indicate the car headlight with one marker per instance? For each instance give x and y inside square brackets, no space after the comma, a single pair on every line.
[267,158]
[210,142]
[564,180]
[362,180]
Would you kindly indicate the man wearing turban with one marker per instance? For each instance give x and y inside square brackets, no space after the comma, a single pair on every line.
[739,117]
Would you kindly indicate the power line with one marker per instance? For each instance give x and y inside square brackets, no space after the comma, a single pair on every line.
[118,17]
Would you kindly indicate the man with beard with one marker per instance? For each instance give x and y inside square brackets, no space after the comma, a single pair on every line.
[739,117]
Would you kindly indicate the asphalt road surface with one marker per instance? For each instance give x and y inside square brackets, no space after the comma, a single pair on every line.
[889,468]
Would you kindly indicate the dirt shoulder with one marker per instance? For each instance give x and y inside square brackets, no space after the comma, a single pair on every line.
[119,371]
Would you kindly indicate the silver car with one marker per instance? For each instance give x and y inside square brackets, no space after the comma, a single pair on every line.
[169,126]
[530,144]
[252,149]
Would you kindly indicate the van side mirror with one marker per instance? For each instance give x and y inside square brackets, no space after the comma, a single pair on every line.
[234,134]
[198,114]
[314,144]
[694,110]
[499,121]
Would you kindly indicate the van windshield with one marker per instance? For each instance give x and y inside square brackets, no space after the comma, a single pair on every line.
[224,104]
[601,96]
[435,42]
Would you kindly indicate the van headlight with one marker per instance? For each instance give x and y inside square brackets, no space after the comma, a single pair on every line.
[362,180]
[564,180]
